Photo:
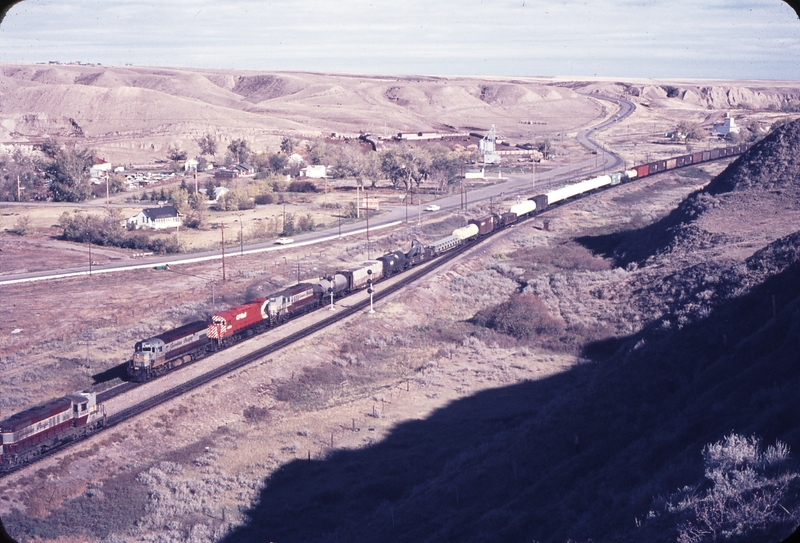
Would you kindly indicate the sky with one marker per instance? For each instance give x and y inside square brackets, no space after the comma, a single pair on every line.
[708,39]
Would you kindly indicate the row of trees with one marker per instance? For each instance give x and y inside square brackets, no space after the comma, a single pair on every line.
[61,174]
[107,230]
[404,165]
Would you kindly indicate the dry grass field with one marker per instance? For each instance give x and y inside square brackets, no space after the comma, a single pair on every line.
[438,417]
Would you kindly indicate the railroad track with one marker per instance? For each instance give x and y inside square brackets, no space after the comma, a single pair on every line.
[201,380]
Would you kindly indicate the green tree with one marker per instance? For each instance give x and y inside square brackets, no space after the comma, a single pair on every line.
[240,150]
[445,167]
[68,175]
[207,144]
[692,131]
[288,144]
[50,147]
[277,162]
[318,151]
[176,154]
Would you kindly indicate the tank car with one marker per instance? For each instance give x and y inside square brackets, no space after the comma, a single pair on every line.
[159,354]
[243,320]
[393,262]
[39,429]
[290,302]
[335,284]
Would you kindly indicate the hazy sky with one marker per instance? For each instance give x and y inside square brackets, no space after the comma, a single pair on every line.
[729,39]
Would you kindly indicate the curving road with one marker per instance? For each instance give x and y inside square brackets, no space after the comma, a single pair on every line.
[516,184]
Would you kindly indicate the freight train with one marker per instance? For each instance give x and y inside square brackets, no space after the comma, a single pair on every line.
[31,433]
[160,354]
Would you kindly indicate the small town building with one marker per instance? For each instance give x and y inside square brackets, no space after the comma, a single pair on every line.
[100,168]
[245,170]
[316,171]
[225,173]
[728,126]
[155,217]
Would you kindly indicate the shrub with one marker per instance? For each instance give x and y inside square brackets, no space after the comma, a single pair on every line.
[302,186]
[522,316]
[747,486]
[263,199]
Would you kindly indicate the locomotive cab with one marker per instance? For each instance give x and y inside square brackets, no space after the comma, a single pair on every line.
[147,353]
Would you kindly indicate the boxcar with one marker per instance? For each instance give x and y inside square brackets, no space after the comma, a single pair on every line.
[643,170]
[671,163]
[485,224]
[357,276]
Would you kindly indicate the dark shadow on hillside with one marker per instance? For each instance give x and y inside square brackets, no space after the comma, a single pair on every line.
[579,455]
[637,245]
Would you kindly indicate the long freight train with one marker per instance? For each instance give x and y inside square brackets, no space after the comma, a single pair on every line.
[31,433]
[187,343]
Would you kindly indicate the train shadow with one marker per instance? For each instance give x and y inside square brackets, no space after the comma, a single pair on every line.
[579,454]
[115,372]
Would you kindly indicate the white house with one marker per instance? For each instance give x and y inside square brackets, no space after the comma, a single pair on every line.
[191,165]
[155,217]
[315,172]
[728,126]
[218,193]
[100,168]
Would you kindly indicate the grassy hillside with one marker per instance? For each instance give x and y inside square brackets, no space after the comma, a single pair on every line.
[595,452]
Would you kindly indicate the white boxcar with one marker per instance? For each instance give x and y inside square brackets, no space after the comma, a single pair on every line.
[523,208]
[578,188]
[466,232]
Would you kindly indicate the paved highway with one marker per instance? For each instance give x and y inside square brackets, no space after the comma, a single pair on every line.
[515,184]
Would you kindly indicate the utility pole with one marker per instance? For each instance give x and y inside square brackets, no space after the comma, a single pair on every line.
[223,250]
[107,200]
[19,197]
[366,200]
[241,234]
